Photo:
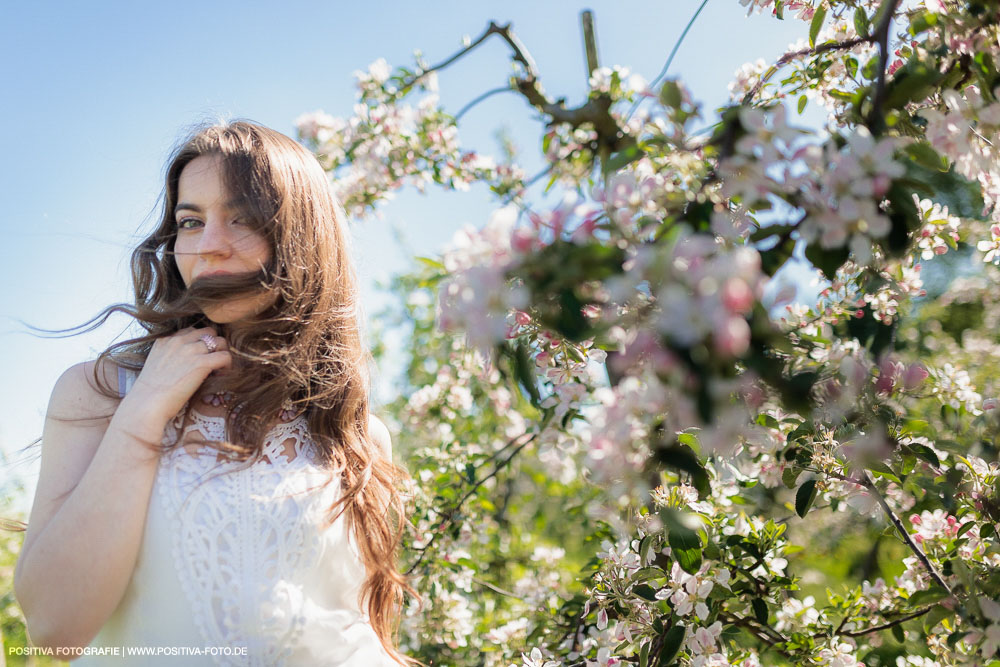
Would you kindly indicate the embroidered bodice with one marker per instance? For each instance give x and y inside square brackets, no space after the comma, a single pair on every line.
[237,554]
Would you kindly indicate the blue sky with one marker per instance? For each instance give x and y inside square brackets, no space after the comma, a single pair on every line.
[96,94]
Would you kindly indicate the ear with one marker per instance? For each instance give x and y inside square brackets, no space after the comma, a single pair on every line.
[380,435]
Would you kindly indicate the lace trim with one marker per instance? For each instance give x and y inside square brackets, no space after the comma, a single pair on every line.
[241,532]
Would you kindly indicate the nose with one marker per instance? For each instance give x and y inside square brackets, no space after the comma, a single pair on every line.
[215,239]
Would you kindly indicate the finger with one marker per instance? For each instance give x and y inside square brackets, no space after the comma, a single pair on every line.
[189,331]
[210,345]
[220,360]
[221,343]
[201,331]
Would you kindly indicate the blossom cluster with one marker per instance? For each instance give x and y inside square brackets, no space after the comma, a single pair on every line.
[612,370]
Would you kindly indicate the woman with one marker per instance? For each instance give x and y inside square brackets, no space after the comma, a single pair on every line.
[219,483]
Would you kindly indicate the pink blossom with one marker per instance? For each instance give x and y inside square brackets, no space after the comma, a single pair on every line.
[913,376]
[733,338]
[737,296]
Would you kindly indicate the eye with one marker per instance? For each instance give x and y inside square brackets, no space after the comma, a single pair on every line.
[183,222]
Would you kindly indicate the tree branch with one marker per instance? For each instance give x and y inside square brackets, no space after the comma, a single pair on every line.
[520,54]
[876,119]
[761,632]
[886,626]
[596,111]
[793,55]
[914,547]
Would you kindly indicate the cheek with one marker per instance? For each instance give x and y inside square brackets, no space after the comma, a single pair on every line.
[260,253]
[182,261]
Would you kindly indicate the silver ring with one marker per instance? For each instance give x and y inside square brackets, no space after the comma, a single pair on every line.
[209,342]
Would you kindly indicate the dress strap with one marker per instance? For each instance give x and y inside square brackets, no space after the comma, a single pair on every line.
[125,381]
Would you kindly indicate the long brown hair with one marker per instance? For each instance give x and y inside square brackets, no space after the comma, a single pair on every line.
[307,348]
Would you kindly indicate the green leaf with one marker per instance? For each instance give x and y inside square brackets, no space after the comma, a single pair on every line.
[644,654]
[670,94]
[682,538]
[870,68]
[803,100]
[922,153]
[433,263]
[937,614]
[689,439]
[827,260]
[921,22]
[645,591]
[621,159]
[689,559]
[672,641]
[964,198]
[929,596]
[775,257]
[644,547]
[767,231]
[880,469]
[685,545]
[790,476]
[861,23]
[645,574]
[924,452]
[681,457]
[804,497]
[897,632]
[525,371]
[852,66]
[817,24]
[915,426]
[767,420]
[912,83]
[903,218]
[760,610]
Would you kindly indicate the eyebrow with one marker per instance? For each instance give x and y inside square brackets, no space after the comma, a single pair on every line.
[231,205]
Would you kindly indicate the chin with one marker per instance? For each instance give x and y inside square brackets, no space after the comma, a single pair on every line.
[236,311]
[224,317]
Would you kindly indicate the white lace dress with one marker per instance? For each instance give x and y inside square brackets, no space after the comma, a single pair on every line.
[241,560]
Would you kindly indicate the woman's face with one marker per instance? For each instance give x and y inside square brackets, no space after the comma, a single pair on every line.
[211,238]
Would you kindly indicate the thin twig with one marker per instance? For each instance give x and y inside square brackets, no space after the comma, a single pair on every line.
[761,632]
[496,589]
[843,478]
[914,547]
[886,626]
[488,93]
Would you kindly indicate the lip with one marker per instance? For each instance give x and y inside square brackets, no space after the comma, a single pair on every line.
[214,273]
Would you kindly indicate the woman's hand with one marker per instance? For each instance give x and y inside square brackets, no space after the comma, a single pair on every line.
[176,367]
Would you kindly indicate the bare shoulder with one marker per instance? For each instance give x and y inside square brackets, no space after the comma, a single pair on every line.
[380,434]
[76,395]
